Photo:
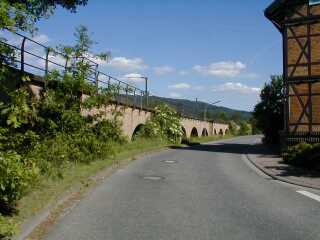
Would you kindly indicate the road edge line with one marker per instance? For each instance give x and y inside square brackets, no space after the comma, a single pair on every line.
[310,195]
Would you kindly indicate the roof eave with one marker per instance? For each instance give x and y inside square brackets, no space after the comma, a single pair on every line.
[275,11]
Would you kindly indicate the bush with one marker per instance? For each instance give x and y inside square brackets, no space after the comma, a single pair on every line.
[304,155]
[7,227]
[109,130]
[17,175]
[165,123]
[53,155]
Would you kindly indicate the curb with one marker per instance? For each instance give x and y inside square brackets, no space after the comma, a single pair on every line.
[282,179]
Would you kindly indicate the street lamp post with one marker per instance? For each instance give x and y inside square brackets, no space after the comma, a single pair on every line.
[146,90]
[146,87]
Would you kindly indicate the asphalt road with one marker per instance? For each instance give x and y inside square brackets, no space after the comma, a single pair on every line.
[204,192]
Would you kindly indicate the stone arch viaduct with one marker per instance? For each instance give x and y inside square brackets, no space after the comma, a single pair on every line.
[133,118]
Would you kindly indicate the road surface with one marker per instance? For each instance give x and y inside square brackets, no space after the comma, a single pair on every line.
[202,192]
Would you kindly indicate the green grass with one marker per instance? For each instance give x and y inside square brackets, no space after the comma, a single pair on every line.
[79,177]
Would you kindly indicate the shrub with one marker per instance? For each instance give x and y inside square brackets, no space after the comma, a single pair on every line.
[16,177]
[53,155]
[7,227]
[165,123]
[20,111]
[109,130]
[304,155]
[91,147]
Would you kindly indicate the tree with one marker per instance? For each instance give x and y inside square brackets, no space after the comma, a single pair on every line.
[233,128]
[268,113]
[245,128]
[223,116]
[23,14]
[236,117]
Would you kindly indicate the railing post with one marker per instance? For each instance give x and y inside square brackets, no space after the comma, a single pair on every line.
[47,61]
[146,91]
[127,95]
[66,64]
[141,94]
[97,80]
[22,53]
[46,67]
[118,91]
[109,82]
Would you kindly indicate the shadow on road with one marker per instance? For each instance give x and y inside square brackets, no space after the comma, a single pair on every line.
[292,171]
[235,148]
[261,153]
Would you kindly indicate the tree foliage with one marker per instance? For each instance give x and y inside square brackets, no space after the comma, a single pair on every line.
[245,129]
[233,128]
[23,14]
[44,136]
[268,113]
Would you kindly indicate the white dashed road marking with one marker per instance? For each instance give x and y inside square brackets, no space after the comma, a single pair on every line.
[310,195]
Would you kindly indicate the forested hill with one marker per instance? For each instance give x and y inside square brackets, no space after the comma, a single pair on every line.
[200,109]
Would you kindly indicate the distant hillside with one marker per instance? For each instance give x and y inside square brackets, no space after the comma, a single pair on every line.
[200,109]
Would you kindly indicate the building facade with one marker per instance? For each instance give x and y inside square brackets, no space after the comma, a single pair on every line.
[299,23]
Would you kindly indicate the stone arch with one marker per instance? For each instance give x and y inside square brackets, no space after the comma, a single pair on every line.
[136,131]
[205,133]
[194,132]
[221,132]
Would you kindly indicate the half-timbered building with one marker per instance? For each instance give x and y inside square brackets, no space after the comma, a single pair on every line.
[299,23]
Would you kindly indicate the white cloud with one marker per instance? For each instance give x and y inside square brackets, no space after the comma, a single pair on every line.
[180,86]
[175,95]
[58,59]
[236,87]
[133,77]
[163,70]
[250,76]
[199,88]
[128,65]
[183,72]
[221,69]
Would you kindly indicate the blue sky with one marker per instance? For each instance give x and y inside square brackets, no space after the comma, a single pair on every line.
[208,49]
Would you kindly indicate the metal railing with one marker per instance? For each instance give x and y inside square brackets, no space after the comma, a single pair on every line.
[291,139]
[32,57]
